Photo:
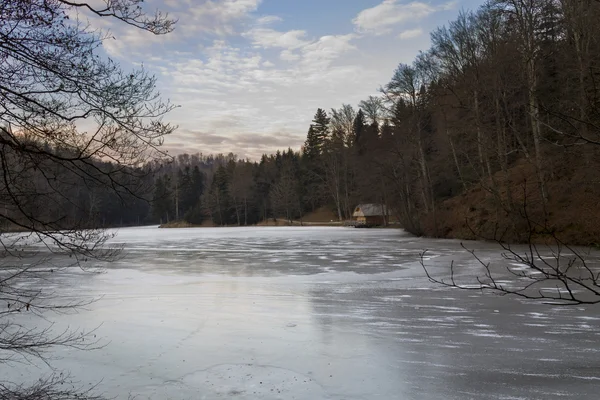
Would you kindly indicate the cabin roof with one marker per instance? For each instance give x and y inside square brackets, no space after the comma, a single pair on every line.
[369,210]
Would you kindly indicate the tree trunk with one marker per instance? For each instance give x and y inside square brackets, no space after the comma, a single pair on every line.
[534,113]
[219,209]
[237,211]
[339,209]
[265,210]
[424,174]
[176,201]
[384,201]
[480,150]
[455,157]
[502,152]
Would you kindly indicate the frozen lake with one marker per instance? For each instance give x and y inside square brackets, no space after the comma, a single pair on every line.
[316,313]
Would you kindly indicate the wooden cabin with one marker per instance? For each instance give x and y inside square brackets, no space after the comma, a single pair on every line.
[370,215]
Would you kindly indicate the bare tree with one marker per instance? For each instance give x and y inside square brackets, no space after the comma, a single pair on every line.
[373,108]
[544,268]
[338,160]
[53,82]
[342,121]
[528,16]
[554,273]
[408,89]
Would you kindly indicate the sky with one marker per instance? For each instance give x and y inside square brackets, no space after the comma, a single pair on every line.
[249,75]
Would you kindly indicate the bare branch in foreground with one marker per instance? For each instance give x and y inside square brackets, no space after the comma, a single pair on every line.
[553,276]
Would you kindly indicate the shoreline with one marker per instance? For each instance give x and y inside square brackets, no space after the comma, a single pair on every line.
[272,223]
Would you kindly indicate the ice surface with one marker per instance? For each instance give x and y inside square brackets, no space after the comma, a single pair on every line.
[314,313]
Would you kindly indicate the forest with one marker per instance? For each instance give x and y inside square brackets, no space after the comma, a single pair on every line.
[493,132]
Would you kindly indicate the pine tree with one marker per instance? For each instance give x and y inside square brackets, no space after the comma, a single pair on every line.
[321,128]
[318,133]
[311,145]
[359,128]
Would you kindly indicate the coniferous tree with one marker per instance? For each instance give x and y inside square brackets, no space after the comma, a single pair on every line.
[321,126]
[359,128]
[311,145]
[163,200]
[317,134]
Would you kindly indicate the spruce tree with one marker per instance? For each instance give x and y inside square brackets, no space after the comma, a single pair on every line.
[321,128]
[359,128]
[311,145]
[318,133]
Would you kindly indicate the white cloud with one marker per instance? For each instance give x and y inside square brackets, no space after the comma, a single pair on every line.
[254,144]
[268,20]
[289,55]
[229,68]
[296,45]
[268,38]
[380,19]
[217,17]
[196,19]
[410,34]
[327,49]
[124,42]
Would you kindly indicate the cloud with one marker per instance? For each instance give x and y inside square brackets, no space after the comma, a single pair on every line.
[410,34]
[125,42]
[288,55]
[268,20]
[323,51]
[380,19]
[196,20]
[269,38]
[246,145]
[226,68]
[296,46]
[217,17]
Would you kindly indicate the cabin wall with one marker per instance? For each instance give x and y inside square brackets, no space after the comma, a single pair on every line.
[375,220]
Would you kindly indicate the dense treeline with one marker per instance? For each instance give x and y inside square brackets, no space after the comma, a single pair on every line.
[498,120]
[52,187]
